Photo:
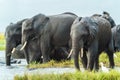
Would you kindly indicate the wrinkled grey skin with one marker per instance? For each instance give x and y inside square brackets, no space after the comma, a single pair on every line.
[13,38]
[18,54]
[44,33]
[93,34]
[116,37]
[107,16]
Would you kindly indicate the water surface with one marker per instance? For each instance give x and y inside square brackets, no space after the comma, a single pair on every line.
[8,72]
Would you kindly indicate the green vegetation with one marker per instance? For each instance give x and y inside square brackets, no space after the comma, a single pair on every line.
[2,41]
[52,63]
[112,75]
[103,58]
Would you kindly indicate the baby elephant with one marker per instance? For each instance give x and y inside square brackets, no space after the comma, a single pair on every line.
[17,53]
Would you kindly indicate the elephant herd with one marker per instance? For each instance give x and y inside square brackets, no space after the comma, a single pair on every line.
[62,37]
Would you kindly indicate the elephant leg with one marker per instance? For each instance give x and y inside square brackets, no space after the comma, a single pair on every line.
[96,65]
[92,52]
[45,52]
[111,58]
[91,59]
[26,54]
[110,53]
[46,48]
[84,59]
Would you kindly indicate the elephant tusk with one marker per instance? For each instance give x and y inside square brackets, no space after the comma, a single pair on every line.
[23,46]
[13,50]
[70,53]
[81,50]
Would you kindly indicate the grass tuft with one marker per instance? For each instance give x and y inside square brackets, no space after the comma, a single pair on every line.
[70,63]
[52,63]
[112,75]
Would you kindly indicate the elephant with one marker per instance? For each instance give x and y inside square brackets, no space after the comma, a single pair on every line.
[41,34]
[17,53]
[60,54]
[13,35]
[91,36]
[116,37]
[107,16]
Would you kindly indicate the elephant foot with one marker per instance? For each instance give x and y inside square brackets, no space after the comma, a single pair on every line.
[15,61]
[112,67]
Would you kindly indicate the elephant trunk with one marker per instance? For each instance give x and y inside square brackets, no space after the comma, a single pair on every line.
[77,46]
[8,50]
[7,57]
[26,53]
[76,58]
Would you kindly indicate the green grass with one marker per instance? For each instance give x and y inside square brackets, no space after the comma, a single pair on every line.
[52,63]
[69,63]
[104,58]
[2,41]
[112,75]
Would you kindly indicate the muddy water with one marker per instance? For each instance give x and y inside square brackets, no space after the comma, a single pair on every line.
[8,72]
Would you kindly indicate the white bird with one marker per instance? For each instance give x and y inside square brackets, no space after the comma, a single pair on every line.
[115,56]
[103,68]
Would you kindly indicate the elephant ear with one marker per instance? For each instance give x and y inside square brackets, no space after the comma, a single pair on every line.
[39,21]
[92,30]
[78,19]
[118,28]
